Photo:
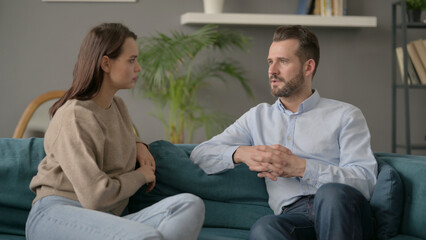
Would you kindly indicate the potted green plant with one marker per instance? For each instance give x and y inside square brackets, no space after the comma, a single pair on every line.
[213,6]
[176,67]
[414,9]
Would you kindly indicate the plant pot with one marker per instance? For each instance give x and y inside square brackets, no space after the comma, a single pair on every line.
[414,15]
[213,6]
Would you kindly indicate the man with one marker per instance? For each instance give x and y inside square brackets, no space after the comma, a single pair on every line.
[314,153]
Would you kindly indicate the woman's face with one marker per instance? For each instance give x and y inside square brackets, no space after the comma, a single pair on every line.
[125,68]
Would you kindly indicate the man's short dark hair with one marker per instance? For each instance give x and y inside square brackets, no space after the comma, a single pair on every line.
[308,42]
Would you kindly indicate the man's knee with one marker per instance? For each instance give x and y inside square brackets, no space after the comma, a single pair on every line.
[338,198]
[341,210]
[336,192]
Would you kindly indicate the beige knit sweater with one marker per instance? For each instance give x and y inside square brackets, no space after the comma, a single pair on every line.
[90,156]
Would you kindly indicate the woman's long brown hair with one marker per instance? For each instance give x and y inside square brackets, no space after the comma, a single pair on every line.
[103,40]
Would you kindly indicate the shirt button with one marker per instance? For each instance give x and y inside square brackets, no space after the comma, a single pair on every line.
[289,138]
[307,180]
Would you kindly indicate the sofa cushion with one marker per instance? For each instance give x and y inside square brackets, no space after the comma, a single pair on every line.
[223,234]
[233,199]
[387,201]
[405,237]
[11,237]
[19,159]
[412,170]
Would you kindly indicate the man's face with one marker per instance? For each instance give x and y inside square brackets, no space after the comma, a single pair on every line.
[285,70]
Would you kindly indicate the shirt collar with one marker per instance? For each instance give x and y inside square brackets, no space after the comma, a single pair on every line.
[305,106]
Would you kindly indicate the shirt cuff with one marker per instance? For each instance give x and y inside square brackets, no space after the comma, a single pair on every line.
[227,155]
[311,172]
[139,140]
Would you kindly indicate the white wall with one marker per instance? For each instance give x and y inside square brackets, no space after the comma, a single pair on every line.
[39,43]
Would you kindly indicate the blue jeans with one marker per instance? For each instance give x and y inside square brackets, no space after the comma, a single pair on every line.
[177,217]
[335,212]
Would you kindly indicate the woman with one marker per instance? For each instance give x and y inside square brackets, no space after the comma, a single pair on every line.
[84,182]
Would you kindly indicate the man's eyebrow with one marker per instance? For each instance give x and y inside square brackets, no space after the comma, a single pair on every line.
[279,58]
[283,58]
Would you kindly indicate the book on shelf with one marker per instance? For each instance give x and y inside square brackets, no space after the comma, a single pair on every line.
[417,62]
[337,7]
[400,61]
[412,77]
[412,73]
[317,7]
[304,7]
[328,8]
[322,7]
[345,7]
[420,47]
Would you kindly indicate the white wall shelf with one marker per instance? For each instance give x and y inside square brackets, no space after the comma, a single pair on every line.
[193,18]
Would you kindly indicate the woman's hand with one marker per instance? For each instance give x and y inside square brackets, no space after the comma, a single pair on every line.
[149,175]
[147,165]
[144,157]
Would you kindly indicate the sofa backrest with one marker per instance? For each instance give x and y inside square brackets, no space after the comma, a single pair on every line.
[412,170]
[19,159]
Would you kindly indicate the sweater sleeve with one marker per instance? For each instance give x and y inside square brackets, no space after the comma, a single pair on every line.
[79,148]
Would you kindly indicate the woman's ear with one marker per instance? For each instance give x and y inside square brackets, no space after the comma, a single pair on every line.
[106,64]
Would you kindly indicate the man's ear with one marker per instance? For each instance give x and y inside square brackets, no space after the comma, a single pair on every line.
[309,67]
[106,64]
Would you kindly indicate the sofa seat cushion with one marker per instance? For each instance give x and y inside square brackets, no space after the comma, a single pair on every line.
[223,234]
[19,159]
[405,237]
[11,237]
[233,199]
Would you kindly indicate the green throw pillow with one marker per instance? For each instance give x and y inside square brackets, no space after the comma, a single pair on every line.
[387,201]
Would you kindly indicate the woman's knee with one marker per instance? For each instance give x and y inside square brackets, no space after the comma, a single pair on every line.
[262,226]
[194,203]
[271,227]
[192,199]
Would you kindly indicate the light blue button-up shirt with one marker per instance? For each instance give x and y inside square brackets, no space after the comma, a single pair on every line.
[331,135]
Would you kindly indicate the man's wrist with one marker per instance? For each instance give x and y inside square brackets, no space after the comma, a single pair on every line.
[302,167]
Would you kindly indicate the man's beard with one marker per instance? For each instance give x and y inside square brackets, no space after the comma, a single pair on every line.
[290,87]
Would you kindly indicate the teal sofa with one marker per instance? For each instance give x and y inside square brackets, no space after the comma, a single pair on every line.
[234,199]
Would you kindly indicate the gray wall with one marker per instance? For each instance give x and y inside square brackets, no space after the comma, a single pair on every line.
[39,43]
